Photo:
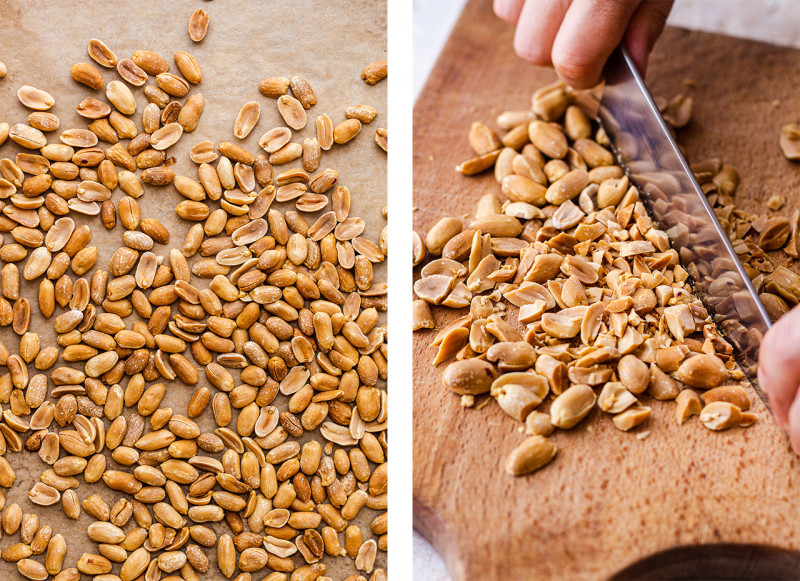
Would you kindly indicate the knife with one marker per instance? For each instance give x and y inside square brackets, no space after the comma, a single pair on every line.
[654,163]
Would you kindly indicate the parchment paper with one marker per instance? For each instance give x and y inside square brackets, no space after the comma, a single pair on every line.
[326,43]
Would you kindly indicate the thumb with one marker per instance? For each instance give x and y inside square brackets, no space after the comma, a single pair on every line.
[794,425]
[779,364]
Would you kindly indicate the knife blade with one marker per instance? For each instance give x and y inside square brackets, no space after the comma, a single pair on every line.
[655,164]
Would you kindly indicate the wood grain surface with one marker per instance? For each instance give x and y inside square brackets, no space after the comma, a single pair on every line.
[682,503]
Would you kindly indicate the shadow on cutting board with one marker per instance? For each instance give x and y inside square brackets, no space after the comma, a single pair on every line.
[715,562]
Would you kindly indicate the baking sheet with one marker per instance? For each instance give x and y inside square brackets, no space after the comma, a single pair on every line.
[326,43]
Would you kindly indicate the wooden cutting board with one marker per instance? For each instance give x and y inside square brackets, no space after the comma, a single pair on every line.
[682,503]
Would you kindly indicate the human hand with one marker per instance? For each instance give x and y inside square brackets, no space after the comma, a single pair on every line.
[779,372]
[577,36]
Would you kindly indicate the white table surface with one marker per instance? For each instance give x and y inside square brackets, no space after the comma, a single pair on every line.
[775,21]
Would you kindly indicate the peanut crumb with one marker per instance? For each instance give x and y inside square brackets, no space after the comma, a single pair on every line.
[482,404]
[775,202]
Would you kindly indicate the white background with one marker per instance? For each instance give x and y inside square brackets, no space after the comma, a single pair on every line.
[775,21]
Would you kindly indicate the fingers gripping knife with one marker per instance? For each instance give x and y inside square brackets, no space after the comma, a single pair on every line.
[654,164]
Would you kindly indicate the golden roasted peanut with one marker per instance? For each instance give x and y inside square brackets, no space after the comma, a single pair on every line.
[512,355]
[689,405]
[324,127]
[7,474]
[190,113]
[121,97]
[286,154]
[564,324]
[375,72]
[478,164]
[31,569]
[236,153]
[247,119]
[189,210]
[91,564]
[678,111]
[151,118]
[482,138]
[789,141]
[516,139]
[198,27]
[155,95]
[469,377]
[734,394]
[188,66]
[346,130]
[594,154]
[633,373]
[34,98]
[151,62]
[775,233]
[274,87]
[131,72]
[522,189]
[550,102]
[202,152]
[302,91]
[292,111]
[275,139]
[720,415]
[518,394]
[748,419]
[166,137]
[27,136]
[538,424]
[532,454]
[614,398]
[363,113]
[567,187]
[631,418]
[226,555]
[497,225]
[702,371]
[422,318]
[548,139]
[44,122]
[382,138]
[441,233]
[611,191]
[574,404]
[172,84]
[662,386]
[101,54]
